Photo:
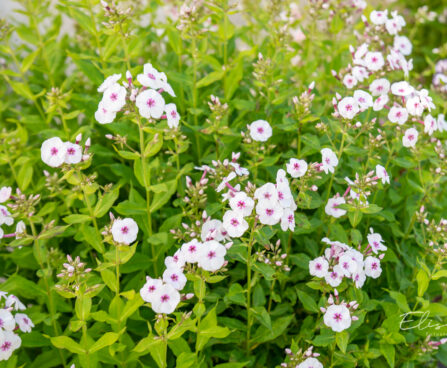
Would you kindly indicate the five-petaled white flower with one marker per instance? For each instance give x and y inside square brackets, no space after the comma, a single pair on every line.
[114,97]
[296,168]
[372,267]
[410,138]
[319,267]
[242,203]
[172,115]
[234,223]
[337,317]
[348,107]
[381,173]
[211,257]
[175,277]
[150,104]
[329,160]
[260,130]
[24,322]
[53,152]
[165,299]
[124,231]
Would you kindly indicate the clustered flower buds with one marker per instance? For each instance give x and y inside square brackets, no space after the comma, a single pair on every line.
[300,359]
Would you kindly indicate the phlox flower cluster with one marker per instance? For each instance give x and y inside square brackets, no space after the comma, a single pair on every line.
[55,152]
[203,251]
[374,90]
[11,322]
[146,98]
[357,191]
[6,218]
[300,359]
[338,315]
[340,261]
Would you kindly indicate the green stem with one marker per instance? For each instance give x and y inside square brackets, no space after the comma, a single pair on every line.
[249,321]
[50,304]
[194,93]
[147,183]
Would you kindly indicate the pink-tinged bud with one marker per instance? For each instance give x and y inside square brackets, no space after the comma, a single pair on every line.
[88,143]
[87,270]
[188,182]
[78,138]
[338,96]
[316,355]
[235,156]
[286,268]
[112,217]
[185,226]
[323,310]
[278,263]
[358,124]
[193,234]
[381,256]
[443,340]
[85,157]
[351,49]
[172,231]
[284,365]
[283,255]
[314,188]
[228,245]
[109,136]
[355,318]
[295,100]
[335,292]
[129,77]
[330,300]
[198,223]
[46,173]
[311,85]
[189,296]
[69,258]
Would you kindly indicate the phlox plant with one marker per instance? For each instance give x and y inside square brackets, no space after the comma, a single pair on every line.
[223,184]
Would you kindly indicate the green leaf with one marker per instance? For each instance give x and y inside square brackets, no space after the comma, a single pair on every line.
[109,278]
[401,300]
[25,175]
[342,339]
[76,219]
[262,316]
[209,329]
[439,274]
[107,339]
[106,202]
[29,60]
[423,281]
[309,303]
[389,352]
[210,78]
[65,342]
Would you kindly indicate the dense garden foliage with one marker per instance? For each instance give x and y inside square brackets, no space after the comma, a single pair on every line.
[223,184]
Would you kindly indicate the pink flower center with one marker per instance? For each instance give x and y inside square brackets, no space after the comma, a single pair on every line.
[174,114]
[150,102]
[151,76]
[290,218]
[124,230]
[164,298]
[192,249]
[211,254]
[71,151]
[6,346]
[337,317]
[54,151]
[234,222]
[296,166]
[260,130]
[151,288]
[348,107]
[269,212]
[374,266]
[410,137]
[241,204]
[174,277]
